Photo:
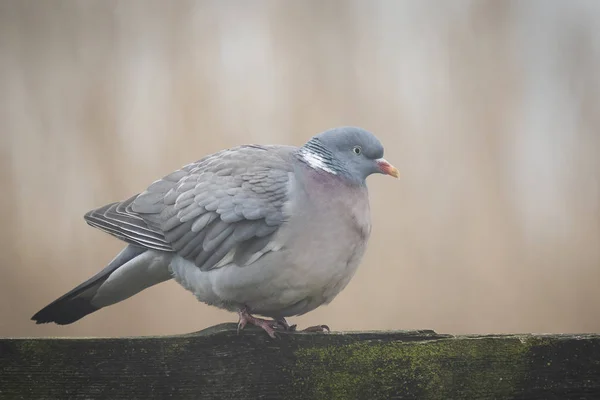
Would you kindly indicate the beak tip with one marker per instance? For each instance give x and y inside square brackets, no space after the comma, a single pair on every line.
[388,168]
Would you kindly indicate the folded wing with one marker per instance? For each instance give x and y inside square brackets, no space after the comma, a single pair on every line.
[223,208]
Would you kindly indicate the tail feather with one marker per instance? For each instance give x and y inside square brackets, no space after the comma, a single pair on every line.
[77,303]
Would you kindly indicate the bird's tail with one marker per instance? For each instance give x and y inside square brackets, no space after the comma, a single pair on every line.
[131,271]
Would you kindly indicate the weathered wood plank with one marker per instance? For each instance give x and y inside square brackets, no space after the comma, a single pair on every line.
[218,363]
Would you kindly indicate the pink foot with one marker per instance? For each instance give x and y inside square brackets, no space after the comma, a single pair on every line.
[269,326]
[272,325]
[284,324]
[317,328]
[292,328]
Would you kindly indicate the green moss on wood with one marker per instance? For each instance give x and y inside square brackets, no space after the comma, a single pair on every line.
[172,349]
[374,368]
[376,365]
[35,347]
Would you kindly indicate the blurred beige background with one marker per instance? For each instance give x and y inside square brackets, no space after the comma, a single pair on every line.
[490,109]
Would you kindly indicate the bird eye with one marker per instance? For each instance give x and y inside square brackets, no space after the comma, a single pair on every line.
[357,150]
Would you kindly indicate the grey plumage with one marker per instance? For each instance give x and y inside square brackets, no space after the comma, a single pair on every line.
[277,229]
[203,214]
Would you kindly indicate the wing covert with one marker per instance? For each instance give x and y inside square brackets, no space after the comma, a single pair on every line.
[225,207]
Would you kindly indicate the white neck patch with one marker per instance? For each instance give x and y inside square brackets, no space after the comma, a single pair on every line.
[315,161]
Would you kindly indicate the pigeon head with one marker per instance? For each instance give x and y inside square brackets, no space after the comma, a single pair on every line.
[349,152]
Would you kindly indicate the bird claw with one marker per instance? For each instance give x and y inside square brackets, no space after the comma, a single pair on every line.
[282,323]
[317,328]
[272,326]
[267,325]
[241,325]
[292,328]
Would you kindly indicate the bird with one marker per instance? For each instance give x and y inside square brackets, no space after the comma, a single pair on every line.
[269,230]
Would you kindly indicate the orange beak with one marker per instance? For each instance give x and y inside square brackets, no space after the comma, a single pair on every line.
[387,168]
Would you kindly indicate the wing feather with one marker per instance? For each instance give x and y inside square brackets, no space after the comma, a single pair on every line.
[223,208]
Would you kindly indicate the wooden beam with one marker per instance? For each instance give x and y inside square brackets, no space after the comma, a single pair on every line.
[219,363]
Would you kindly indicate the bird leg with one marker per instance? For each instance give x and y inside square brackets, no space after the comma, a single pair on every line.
[269,326]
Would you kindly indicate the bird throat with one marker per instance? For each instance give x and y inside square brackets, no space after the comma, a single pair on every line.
[318,157]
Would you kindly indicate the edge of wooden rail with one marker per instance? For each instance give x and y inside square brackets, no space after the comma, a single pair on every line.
[217,362]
